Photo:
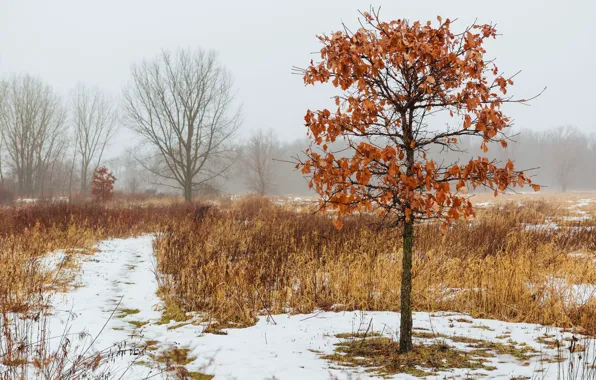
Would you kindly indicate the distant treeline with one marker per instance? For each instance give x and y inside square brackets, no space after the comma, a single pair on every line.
[559,159]
[49,147]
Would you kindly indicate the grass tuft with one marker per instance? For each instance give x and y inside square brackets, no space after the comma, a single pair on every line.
[381,355]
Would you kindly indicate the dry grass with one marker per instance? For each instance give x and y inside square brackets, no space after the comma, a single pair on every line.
[27,234]
[236,260]
[434,352]
[254,258]
[174,359]
[381,356]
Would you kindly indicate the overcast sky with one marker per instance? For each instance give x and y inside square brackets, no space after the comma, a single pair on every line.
[95,42]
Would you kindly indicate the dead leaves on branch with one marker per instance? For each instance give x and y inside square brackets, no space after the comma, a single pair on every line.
[392,74]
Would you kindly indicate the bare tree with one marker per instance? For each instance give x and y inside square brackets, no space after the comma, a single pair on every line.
[133,183]
[2,96]
[94,119]
[132,177]
[566,147]
[258,162]
[71,173]
[58,176]
[182,105]
[32,125]
[1,153]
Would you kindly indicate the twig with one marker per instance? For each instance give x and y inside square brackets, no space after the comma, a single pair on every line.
[366,332]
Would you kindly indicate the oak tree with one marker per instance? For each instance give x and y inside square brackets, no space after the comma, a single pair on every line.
[102,184]
[393,76]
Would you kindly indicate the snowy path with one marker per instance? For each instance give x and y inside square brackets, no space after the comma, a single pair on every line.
[119,276]
[288,348]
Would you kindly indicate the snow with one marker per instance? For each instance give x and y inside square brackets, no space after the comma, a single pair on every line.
[552,226]
[580,218]
[584,202]
[484,204]
[541,227]
[582,293]
[579,255]
[35,200]
[284,349]
[572,294]
[52,260]
[26,200]
[121,275]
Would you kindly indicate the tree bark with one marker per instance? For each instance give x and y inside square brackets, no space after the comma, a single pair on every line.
[188,192]
[405,333]
[72,166]
[84,181]
[1,173]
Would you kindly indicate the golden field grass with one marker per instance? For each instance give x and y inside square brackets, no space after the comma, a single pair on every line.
[27,234]
[30,232]
[508,263]
[524,258]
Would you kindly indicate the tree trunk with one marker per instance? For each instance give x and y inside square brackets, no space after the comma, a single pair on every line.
[1,174]
[405,330]
[84,184]
[188,192]
[405,333]
[72,166]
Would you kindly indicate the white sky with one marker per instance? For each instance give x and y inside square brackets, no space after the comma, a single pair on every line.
[95,42]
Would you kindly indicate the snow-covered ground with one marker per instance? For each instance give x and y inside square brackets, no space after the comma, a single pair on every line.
[118,277]
[117,308]
[483,204]
[582,202]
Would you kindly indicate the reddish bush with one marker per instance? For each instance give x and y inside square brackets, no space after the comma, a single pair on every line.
[102,184]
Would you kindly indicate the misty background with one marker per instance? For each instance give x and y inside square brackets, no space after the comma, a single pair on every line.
[66,54]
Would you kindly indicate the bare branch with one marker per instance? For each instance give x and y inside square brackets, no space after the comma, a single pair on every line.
[182,105]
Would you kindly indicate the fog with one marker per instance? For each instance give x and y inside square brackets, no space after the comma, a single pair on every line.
[68,43]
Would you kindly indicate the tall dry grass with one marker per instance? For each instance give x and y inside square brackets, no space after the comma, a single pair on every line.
[27,234]
[254,258]
[236,260]
[30,232]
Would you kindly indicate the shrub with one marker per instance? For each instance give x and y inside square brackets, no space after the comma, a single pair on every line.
[102,184]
